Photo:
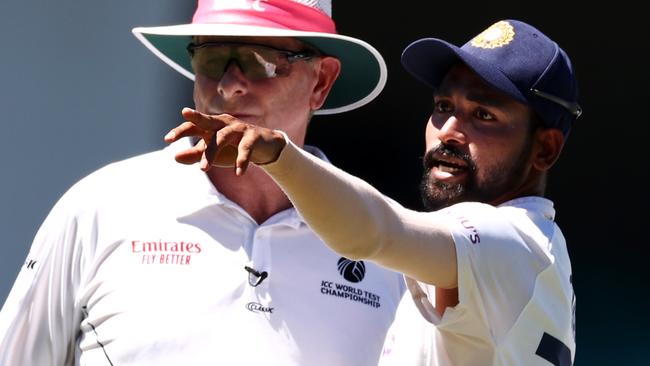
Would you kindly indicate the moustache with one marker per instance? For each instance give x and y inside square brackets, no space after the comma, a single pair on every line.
[430,160]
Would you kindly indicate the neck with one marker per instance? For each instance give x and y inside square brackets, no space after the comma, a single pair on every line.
[255,191]
[533,185]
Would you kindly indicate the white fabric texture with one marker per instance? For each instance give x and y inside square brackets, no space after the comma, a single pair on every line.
[126,270]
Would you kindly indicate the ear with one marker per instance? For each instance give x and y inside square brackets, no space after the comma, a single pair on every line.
[548,145]
[329,70]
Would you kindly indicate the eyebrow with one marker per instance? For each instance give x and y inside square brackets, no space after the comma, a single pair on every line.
[489,98]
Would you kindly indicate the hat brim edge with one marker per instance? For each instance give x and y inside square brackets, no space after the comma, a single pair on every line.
[359,58]
[429,59]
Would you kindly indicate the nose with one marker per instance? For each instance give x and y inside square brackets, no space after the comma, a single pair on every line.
[451,132]
[233,82]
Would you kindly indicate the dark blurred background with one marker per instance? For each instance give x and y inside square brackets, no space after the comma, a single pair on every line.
[77,91]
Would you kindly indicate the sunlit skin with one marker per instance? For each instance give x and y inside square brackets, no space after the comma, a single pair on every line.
[482,145]
[284,103]
[279,103]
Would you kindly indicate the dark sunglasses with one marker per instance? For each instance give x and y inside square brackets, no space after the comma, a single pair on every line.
[257,62]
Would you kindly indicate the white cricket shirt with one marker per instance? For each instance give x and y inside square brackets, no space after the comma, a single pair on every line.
[516,302]
[142,263]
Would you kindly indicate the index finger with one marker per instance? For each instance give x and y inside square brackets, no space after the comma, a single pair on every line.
[206,121]
[182,130]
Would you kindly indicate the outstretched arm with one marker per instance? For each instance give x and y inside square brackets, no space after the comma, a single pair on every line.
[350,215]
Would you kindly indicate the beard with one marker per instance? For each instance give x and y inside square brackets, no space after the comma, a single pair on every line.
[498,179]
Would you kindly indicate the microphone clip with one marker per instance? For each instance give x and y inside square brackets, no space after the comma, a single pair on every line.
[255,277]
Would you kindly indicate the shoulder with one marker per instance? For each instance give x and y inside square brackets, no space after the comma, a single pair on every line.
[126,181]
[529,208]
[526,222]
[110,177]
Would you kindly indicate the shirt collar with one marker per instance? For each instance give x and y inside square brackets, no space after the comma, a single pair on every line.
[533,204]
[205,194]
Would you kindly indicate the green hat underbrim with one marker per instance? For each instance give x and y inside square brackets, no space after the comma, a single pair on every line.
[363,70]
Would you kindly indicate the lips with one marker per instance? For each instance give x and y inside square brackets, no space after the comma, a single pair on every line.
[445,166]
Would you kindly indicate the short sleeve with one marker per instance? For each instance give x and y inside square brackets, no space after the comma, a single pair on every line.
[499,258]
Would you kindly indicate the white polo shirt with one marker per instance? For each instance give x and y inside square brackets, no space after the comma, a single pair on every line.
[142,263]
[516,301]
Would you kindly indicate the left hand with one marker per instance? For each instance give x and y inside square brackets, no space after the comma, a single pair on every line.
[225,141]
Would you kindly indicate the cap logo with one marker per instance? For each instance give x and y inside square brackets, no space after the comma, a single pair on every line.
[497,35]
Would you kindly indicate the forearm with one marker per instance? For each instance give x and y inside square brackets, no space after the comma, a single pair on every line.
[357,221]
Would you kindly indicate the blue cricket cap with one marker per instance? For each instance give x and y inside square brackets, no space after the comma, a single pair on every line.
[515,58]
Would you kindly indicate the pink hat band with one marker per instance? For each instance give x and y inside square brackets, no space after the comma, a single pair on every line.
[363,72]
[279,14]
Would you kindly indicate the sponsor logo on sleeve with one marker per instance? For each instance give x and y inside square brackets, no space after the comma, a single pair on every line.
[470,230]
[31,263]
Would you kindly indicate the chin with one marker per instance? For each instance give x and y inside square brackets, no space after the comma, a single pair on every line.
[436,195]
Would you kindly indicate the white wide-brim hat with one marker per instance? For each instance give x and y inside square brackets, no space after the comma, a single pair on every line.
[363,70]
